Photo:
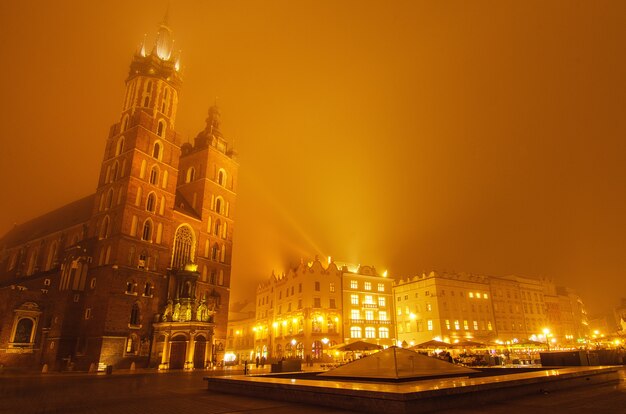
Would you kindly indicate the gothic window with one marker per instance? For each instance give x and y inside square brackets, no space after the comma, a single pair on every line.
[191,175]
[156,150]
[217,227]
[134,315]
[221,177]
[218,205]
[183,247]
[154,175]
[114,171]
[161,128]
[104,228]
[213,278]
[120,144]
[151,202]
[214,252]
[52,253]
[32,263]
[109,199]
[146,233]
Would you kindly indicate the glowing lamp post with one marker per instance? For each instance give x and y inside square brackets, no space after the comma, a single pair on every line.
[546,332]
[324,342]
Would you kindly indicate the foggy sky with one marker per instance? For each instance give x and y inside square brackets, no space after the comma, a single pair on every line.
[485,137]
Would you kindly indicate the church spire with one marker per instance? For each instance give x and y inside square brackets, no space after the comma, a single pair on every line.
[164,41]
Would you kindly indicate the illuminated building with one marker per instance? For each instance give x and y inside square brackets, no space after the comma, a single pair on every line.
[311,308]
[447,307]
[138,272]
[453,307]
[240,338]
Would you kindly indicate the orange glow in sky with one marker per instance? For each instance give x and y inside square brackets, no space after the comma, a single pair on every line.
[486,137]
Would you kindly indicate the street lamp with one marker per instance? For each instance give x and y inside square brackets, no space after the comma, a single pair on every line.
[324,342]
[546,332]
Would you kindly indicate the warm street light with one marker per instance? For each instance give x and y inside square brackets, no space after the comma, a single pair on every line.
[546,332]
[324,342]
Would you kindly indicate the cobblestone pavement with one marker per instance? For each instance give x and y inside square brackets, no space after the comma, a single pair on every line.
[183,392]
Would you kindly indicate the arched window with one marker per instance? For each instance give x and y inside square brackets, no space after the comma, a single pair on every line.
[146,233]
[218,205]
[156,150]
[191,175]
[154,175]
[184,243]
[114,171]
[120,145]
[32,263]
[218,225]
[161,128]
[52,254]
[135,317]
[221,177]
[109,199]
[165,101]
[104,228]
[151,202]
[214,252]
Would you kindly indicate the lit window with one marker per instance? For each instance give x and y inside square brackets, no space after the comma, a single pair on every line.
[147,231]
[156,150]
[485,296]
[354,299]
[457,326]
[465,325]
[368,286]
[475,325]
[355,314]
[191,175]
[355,332]
[331,287]
[406,310]
[154,175]
[478,295]
[381,287]
[429,324]
[369,299]
[399,312]
[429,307]
[369,315]
[370,332]
[471,294]
[383,333]
[447,324]
[354,284]
[489,326]
[151,202]
[381,301]
[382,316]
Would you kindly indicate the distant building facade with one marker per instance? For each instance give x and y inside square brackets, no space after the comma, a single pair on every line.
[138,272]
[453,307]
[311,308]
[240,337]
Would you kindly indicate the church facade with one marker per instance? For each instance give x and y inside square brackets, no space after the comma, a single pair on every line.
[138,273]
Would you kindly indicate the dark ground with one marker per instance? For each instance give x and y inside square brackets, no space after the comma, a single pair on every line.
[185,392]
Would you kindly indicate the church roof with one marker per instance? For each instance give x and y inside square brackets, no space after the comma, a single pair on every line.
[397,363]
[70,215]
